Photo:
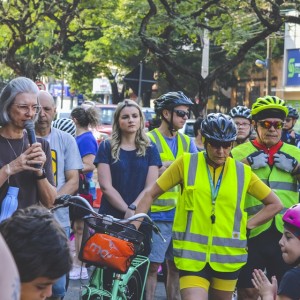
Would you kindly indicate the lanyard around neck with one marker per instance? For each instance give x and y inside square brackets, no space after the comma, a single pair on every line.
[214,190]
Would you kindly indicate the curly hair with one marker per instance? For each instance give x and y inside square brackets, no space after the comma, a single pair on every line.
[142,141]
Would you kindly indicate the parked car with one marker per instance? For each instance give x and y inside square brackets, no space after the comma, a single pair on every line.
[188,128]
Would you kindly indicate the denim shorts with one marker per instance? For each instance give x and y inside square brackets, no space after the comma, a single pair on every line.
[161,250]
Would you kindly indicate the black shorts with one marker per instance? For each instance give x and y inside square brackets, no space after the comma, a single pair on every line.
[263,253]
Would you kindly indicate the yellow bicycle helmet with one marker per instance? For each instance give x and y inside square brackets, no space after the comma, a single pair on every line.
[269,107]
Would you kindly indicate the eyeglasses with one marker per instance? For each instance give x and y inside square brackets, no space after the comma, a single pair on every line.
[269,124]
[218,145]
[242,125]
[181,113]
[26,108]
[288,119]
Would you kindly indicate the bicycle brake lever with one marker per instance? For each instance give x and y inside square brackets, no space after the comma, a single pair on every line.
[62,200]
[157,231]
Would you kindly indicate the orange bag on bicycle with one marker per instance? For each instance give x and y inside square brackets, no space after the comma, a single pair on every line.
[105,250]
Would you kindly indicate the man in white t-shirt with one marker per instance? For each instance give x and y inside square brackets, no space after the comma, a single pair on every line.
[66,163]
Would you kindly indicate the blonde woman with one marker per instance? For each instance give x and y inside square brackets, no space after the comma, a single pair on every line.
[127,163]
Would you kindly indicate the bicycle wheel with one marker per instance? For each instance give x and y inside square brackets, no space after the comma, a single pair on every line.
[134,286]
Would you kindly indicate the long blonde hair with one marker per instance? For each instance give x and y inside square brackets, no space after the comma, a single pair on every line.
[142,141]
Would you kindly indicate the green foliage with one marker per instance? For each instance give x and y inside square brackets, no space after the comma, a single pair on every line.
[82,38]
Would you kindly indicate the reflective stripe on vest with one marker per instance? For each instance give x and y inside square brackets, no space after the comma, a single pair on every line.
[159,145]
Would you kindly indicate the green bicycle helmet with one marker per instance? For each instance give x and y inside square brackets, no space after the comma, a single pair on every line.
[170,100]
[219,127]
[269,107]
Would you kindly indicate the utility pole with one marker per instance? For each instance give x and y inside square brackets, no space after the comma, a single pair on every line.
[268,66]
[140,83]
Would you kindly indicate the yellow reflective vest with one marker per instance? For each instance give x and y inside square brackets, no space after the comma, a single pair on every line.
[168,200]
[283,184]
[196,239]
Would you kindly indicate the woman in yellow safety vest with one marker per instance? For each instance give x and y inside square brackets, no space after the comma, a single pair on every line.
[210,225]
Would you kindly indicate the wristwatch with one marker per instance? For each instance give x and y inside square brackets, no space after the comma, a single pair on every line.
[41,176]
[132,206]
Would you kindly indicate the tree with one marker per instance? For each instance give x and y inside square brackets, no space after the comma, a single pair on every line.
[175,29]
[36,35]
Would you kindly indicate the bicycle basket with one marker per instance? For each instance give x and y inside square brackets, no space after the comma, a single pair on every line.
[113,228]
[108,248]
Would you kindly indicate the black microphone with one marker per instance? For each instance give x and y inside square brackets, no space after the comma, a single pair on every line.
[29,126]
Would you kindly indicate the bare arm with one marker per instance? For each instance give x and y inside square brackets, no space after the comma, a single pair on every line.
[88,163]
[105,182]
[272,206]
[71,185]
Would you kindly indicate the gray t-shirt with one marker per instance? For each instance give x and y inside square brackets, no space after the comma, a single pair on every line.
[65,157]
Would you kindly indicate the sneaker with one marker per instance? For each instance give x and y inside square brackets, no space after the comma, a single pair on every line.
[84,273]
[78,272]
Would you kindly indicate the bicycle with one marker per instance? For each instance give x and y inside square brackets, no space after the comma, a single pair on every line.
[114,277]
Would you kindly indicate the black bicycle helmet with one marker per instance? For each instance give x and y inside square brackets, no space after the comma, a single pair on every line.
[219,127]
[269,107]
[66,125]
[170,100]
[293,112]
[240,112]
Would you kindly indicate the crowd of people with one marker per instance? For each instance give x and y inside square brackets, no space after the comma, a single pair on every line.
[226,202]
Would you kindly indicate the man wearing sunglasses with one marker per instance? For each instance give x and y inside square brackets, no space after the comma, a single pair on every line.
[288,133]
[210,225]
[276,163]
[173,109]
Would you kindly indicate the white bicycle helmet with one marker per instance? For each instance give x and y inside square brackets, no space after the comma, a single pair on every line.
[66,125]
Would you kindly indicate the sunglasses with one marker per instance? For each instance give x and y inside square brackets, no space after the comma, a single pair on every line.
[288,119]
[218,145]
[269,124]
[181,113]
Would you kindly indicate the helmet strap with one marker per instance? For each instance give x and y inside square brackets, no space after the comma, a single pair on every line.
[170,123]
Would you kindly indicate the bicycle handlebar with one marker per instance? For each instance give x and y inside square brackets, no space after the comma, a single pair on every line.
[77,201]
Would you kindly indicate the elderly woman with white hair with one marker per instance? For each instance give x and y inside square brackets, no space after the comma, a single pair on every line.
[27,167]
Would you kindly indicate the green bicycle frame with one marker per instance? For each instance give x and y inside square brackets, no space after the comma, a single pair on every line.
[119,287]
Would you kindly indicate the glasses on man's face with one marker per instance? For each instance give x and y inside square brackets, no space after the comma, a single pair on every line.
[26,108]
[242,125]
[218,145]
[181,113]
[288,119]
[269,124]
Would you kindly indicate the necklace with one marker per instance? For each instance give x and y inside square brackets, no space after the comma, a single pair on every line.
[11,147]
